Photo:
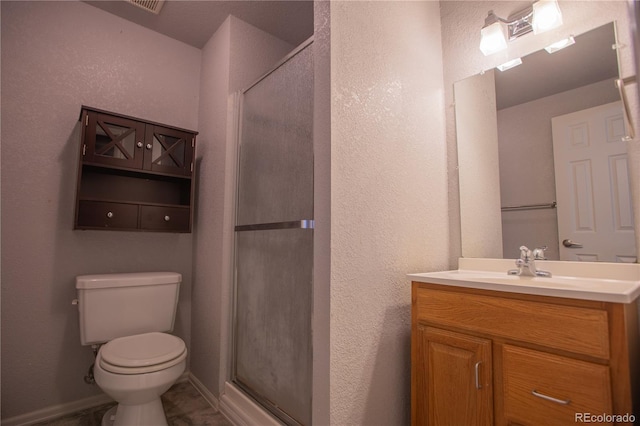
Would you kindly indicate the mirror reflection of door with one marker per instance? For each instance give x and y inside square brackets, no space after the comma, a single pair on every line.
[595,212]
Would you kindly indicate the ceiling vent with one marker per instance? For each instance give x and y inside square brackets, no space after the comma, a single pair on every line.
[153,6]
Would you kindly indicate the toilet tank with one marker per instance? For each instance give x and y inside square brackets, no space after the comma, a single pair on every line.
[118,305]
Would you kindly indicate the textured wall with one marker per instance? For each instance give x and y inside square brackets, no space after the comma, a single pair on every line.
[57,56]
[388,198]
[235,56]
[206,303]
[461,23]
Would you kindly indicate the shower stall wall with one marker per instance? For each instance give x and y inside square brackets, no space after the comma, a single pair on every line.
[274,240]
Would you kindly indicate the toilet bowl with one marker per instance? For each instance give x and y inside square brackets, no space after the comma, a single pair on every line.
[135,371]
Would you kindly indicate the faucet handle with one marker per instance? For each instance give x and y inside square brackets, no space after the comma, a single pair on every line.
[525,253]
[538,253]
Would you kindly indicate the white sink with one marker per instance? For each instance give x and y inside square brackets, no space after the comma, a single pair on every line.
[607,282]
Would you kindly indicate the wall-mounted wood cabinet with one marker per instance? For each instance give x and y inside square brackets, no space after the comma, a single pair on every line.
[134,174]
[482,357]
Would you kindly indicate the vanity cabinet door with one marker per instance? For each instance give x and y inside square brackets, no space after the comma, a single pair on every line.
[452,378]
[541,388]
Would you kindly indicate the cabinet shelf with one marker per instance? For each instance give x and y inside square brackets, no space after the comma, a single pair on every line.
[134,174]
[108,200]
[105,168]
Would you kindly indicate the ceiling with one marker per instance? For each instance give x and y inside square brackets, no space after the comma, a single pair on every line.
[194,22]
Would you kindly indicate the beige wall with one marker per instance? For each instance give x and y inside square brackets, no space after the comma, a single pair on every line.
[388,198]
[57,56]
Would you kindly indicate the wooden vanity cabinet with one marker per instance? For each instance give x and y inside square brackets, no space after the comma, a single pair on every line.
[134,175]
[482,357]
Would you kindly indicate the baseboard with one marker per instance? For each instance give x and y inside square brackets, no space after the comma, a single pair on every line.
[241,410]
[55,411]
[206,394]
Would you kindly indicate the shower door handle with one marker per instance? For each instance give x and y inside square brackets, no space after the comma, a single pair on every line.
[294,224]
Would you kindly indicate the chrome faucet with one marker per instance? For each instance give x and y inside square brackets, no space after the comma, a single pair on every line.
[527,263]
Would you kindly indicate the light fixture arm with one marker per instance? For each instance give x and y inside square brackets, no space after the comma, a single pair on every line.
[518,24]
[523,15]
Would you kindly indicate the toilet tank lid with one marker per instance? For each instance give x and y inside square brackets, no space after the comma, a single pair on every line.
[126,280]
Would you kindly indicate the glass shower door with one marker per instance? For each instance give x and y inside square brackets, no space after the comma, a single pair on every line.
[274,241]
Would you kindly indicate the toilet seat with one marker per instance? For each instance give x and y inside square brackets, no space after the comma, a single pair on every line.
[142,353]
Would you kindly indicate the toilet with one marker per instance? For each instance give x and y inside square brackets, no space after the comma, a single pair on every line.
[128,316]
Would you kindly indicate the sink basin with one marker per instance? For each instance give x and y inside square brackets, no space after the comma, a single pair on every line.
[607,282]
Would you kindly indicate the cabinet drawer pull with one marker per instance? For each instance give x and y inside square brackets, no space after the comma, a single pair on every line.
[139,144]
[167,218]
[149,146]
[109,215]
[550,398]
[477,368]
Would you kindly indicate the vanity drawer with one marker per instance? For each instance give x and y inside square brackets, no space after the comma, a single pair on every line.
[158,218]
[100,214]
[571,328]
[541,388]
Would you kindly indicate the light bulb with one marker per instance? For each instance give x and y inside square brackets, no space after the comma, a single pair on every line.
[546,16]
[492,39]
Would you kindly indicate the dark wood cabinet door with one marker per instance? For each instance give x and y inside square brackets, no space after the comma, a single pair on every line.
[113,141]
[168,150]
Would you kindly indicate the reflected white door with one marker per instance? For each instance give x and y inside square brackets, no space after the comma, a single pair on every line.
[595,212]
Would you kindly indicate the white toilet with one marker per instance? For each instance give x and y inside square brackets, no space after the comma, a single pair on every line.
[130,313]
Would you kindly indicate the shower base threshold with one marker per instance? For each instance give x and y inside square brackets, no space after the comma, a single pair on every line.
[242,410]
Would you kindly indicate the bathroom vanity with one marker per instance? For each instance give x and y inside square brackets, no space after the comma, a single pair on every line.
[521,350]
[134,175]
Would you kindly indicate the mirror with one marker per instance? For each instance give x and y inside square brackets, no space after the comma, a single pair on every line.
[506,123]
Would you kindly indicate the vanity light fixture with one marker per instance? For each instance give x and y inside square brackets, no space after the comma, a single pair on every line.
[510,64]
[542,16]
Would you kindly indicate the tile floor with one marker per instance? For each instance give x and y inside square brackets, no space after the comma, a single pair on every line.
[183,405]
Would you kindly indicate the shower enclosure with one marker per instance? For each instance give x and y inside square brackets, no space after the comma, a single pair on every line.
[272,356]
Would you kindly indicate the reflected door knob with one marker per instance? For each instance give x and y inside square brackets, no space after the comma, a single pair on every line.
[571,244]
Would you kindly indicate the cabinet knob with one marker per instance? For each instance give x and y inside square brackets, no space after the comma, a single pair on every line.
[109,215]
[139,144]
[149,146]
[167,218]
